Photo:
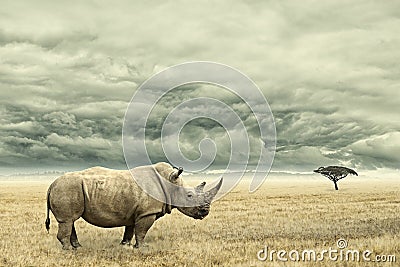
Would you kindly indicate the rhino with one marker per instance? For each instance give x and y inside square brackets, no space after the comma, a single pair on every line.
[113,198]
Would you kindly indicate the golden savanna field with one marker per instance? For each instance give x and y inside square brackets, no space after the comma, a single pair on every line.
[299,213]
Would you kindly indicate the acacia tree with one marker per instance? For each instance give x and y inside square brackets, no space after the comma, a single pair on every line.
[335,173]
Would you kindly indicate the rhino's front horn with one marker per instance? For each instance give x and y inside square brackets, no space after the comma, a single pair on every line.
[210,194]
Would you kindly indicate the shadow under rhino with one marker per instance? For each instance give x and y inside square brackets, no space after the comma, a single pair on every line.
[112,198]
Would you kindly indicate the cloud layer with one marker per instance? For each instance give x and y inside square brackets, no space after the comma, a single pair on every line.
[329,70]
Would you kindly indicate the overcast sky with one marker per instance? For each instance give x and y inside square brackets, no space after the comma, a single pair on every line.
[329,70]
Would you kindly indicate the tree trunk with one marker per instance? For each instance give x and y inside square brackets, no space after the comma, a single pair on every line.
[336,187]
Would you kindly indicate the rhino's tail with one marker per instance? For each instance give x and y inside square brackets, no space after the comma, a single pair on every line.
[47,222]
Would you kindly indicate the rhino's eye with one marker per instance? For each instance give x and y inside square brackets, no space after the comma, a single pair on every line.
[190,195]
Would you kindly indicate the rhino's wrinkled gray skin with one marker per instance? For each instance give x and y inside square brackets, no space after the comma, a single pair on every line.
[112,198]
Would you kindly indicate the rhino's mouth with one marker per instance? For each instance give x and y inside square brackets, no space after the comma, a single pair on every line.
[199,217]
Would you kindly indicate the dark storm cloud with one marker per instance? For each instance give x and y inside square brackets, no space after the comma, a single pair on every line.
[329,70]
[46,41]
[59,137]
[378,151]
[230,111]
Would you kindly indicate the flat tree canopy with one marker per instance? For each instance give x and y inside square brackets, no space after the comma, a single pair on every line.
[335,173]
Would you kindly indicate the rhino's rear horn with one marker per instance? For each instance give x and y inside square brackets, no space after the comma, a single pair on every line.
[200,187]
[180,170]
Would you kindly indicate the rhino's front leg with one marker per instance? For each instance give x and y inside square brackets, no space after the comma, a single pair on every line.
[128,235]
[142,225]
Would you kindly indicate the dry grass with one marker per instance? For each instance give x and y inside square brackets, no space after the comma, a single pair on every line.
[303,213]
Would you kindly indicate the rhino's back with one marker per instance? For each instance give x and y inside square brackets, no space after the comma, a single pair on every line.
[103,197]
[113,198]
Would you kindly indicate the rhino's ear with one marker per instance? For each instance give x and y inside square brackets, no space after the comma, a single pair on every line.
[210,194]
[200,187]
[176,173]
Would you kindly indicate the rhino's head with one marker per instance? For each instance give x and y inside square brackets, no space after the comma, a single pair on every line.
[193,202]
[198,201]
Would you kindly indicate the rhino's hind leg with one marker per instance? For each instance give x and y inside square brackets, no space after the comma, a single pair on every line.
[74,238]
[64,234]
[141,227]
[128,235]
